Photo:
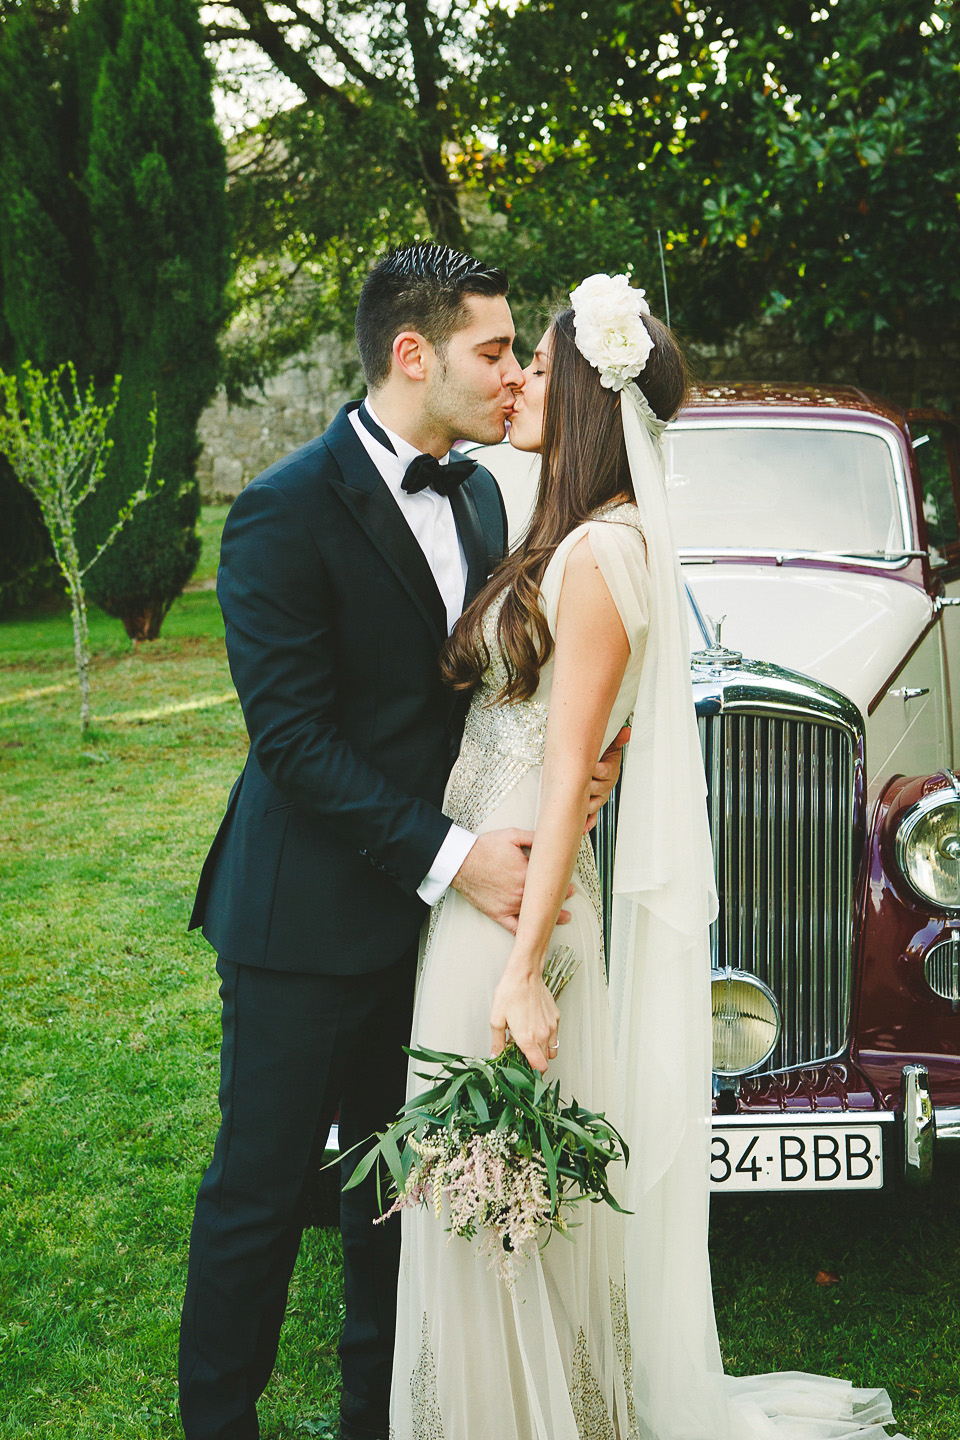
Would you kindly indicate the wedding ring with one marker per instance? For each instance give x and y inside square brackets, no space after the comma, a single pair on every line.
[554,1049]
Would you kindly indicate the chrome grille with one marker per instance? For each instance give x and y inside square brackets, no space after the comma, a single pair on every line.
[781,797]
[942,969]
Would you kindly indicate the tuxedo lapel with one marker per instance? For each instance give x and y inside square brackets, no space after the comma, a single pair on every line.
[365,495]
[472,539]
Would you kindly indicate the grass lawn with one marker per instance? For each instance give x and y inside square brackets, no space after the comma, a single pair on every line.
[108,1070]
[109,1029]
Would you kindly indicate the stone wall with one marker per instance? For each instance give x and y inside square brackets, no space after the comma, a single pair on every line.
[241,440]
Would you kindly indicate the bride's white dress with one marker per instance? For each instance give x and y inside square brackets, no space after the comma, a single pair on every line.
[554,1359]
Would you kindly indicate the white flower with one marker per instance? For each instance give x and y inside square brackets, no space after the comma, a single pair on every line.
[610,332]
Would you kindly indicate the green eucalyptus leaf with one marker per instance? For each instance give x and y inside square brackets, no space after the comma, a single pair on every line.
[477,1100]
[364,1167]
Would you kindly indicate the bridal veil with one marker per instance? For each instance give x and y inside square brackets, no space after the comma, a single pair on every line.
[664,902]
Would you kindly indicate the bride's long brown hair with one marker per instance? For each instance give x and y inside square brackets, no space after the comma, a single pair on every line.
[583,467]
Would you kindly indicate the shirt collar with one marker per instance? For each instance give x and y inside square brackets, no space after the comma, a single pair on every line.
[404,450]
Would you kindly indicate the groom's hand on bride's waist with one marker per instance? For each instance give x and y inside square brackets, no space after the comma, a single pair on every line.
[493,874]
[605,776]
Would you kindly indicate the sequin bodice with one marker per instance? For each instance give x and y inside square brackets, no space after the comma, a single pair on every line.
[500,742]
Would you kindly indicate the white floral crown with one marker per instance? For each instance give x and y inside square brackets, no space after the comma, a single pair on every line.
[610,332]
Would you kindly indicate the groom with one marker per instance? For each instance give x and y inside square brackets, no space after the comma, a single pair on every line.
[343,569]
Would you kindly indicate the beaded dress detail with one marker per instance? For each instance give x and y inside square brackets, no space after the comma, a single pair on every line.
[549,1360]
[500,742]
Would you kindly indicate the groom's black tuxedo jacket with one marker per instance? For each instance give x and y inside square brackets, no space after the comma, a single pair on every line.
[333,627]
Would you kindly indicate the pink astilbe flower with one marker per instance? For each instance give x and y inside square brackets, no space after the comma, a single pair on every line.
[487,1185]
[492,1146]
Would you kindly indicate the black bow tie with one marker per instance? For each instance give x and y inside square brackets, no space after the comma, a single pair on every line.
[426,471]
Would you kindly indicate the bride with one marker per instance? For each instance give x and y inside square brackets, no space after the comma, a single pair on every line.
[610,1336]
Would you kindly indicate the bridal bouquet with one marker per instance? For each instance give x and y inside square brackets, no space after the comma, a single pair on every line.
[494,1140]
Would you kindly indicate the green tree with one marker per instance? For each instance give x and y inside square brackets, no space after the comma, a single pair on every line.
[365,160]
[116,253]
[799,157]
[38,306]
[854,125]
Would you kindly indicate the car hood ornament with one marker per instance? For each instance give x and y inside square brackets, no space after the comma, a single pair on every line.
[716,656]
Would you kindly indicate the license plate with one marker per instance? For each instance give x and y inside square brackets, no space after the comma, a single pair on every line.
[810,1157]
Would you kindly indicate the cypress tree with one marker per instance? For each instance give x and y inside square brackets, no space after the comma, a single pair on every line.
[114,256]
[155,182]
[41,303]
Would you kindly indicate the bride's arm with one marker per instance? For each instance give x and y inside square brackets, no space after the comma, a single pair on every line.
[590,659]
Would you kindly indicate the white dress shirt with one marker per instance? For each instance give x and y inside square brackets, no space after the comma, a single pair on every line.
[430,517]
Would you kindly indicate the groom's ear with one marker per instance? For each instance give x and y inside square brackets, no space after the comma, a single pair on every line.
[413,354]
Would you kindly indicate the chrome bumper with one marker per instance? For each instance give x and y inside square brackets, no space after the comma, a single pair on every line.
[948,1125]
[921,1125]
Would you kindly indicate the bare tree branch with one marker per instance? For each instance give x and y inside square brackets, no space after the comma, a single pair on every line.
[268,34]
[345,56]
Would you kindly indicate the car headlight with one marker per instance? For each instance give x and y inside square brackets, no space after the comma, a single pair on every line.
[928,850]
[746,1022]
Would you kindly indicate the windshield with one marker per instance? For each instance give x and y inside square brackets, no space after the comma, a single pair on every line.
[779,488]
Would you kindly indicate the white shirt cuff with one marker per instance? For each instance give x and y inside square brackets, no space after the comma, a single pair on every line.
[456,847]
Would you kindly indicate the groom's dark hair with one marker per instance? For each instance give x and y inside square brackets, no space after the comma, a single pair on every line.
[422,288]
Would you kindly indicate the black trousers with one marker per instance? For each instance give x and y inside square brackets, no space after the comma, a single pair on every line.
[295,1049]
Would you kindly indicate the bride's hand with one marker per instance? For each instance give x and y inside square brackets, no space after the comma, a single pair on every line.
[523,1005]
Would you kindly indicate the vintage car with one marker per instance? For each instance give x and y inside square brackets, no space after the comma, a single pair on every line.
[818,531]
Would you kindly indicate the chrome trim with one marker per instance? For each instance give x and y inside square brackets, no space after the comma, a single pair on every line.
[701,619]
[919,1125]
[757,714]
[909,823]
[604,848]
[759,687]
[717,657]
[884,431]
[896,560]
[791,1118]
[714,793]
